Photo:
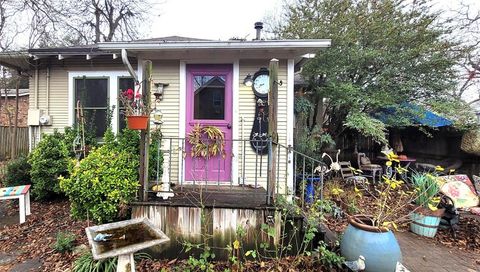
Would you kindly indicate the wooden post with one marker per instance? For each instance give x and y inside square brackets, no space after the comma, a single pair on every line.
[145,134]
[272,124]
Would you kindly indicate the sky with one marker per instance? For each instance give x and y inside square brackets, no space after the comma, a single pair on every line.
[211,19]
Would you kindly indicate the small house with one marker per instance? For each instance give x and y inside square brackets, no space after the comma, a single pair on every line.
[210,83]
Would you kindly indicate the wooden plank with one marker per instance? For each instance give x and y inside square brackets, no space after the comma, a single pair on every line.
[272,125]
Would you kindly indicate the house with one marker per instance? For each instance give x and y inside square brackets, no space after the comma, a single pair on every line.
[203,83]
[7,101]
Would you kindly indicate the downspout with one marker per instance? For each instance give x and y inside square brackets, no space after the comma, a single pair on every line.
[36,88]
[128,65]
[48,90]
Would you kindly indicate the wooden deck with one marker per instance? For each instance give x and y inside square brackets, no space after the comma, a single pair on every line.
[223,196]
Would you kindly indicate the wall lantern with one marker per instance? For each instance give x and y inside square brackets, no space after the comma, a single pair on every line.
[248,81]
[159,90]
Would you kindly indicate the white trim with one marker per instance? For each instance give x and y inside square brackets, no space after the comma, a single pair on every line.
[182,114]
[271,44]
[290,120]
[235,120]
[112,91]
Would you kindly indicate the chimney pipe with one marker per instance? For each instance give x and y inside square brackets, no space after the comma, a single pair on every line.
[259,27]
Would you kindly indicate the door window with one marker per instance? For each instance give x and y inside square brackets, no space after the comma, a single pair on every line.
[209,97]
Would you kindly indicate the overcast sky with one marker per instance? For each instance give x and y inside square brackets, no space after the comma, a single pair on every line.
[211,19]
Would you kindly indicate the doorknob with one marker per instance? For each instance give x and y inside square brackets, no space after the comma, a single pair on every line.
[229,126]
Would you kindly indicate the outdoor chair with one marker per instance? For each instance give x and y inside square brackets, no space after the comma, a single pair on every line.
[348,175]
[459,198]
[366,165]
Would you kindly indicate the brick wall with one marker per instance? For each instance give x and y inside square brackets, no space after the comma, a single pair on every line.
[22,110]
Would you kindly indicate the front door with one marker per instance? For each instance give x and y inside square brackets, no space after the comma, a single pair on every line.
[209,103]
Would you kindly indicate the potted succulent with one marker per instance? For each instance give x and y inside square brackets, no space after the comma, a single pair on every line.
[136,110]
[425,218]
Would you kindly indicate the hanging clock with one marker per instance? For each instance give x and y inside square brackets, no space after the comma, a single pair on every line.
[261,83]
[259,133]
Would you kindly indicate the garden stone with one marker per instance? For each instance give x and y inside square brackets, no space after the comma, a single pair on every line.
[6,258]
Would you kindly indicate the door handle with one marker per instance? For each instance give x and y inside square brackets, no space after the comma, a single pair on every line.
[229,126]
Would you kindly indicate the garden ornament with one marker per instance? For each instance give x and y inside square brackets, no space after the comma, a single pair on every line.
[102,237]
[358,265]
[335,165]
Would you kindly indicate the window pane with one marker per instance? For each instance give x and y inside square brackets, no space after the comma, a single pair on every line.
[124,83]
[96,120]
[92,92]
[209,97]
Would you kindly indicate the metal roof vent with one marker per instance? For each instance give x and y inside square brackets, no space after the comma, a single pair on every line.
[259,27]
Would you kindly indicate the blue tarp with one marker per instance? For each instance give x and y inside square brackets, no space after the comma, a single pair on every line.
[416,114]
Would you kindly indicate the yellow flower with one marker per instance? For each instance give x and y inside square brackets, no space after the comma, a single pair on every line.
[236,244]
[392,156]
[401,170]
[439,168]
[389,163]
[357,192]
[337,191]
[432,207]
[389,225]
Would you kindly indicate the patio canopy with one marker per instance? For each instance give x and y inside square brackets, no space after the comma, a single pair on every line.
[417,115]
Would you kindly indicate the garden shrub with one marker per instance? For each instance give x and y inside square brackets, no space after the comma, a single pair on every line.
[49,160]
[70,133]
[17,172]
[65,242]
[102,184]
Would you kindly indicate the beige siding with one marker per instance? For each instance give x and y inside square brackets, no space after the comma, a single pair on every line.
[57,103]
[247,111]
[169,72]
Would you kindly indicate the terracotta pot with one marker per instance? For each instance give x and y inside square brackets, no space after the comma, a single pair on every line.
[377,244]
[137,122]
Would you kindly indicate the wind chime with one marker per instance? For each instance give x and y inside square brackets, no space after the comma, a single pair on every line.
[162,188]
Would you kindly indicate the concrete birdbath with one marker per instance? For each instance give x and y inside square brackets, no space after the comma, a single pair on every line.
[123,239]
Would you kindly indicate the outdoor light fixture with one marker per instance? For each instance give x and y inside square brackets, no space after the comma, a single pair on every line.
[157,117]
[159,90]
[248,81]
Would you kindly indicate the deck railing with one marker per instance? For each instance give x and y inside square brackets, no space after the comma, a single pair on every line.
[249,168]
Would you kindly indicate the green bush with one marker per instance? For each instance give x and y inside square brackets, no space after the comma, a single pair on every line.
[65,242]
[70,133]
[49,160]
[17,172]
[86,263]
[102,184]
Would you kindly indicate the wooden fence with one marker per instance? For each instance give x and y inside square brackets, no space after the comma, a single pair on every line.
[6,141]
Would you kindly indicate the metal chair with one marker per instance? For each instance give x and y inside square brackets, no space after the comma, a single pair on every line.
[348,175]
[366,165]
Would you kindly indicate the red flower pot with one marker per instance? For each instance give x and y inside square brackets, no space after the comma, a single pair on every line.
[137,122]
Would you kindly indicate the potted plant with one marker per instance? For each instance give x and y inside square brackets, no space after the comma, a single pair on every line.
[136,110]
[369,233]
[426,216]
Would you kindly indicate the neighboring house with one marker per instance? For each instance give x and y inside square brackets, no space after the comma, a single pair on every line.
[8,104]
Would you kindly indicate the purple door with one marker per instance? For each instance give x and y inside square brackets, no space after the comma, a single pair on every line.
[209,103]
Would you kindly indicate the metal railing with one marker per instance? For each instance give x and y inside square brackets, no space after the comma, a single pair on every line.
[249,169]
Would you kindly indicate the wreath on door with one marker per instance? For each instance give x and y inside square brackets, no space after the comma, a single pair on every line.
[206,141]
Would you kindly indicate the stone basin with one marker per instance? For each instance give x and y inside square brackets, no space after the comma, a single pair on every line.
[128,237]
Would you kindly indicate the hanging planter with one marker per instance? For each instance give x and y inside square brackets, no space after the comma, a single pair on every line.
[137,122]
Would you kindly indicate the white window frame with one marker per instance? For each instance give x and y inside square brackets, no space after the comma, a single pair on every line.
[112,92]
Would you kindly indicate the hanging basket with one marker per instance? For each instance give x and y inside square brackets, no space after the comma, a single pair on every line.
[137,122]
[471,142]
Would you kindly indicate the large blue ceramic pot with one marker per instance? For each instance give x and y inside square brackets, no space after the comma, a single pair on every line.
[377,245]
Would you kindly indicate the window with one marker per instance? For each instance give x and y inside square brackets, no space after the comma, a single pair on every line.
[209,98]
[92,93]
[98,93]
[124,83]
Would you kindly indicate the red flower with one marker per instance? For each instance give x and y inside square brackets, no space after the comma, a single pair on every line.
[129,93]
